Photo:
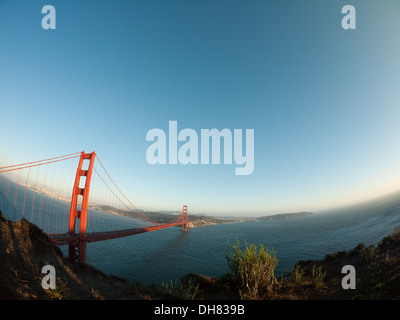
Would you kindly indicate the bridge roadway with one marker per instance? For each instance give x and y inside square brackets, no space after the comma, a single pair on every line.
[66,238]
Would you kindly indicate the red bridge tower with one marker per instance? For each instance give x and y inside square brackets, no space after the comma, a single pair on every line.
[184,218]
[77,248]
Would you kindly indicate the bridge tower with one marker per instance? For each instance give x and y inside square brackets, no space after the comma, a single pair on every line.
[184,218]
[77,247]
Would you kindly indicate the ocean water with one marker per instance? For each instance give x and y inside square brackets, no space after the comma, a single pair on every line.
[167,254]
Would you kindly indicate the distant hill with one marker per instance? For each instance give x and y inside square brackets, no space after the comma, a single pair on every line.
[285,216]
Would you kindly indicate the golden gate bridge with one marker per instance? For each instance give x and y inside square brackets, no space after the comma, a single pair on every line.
[40,191]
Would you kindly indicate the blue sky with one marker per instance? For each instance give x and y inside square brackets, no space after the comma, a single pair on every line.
[324,102]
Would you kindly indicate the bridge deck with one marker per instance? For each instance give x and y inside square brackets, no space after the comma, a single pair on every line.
[66,238]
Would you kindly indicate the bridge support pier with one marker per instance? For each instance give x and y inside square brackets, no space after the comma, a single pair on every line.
[77,251]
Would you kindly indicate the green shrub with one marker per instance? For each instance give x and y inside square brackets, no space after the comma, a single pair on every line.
[187,289]
[297,274]
[318,276]
[252,270]
[370,253]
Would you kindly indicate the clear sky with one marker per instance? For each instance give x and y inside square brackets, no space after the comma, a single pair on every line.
[324,102]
